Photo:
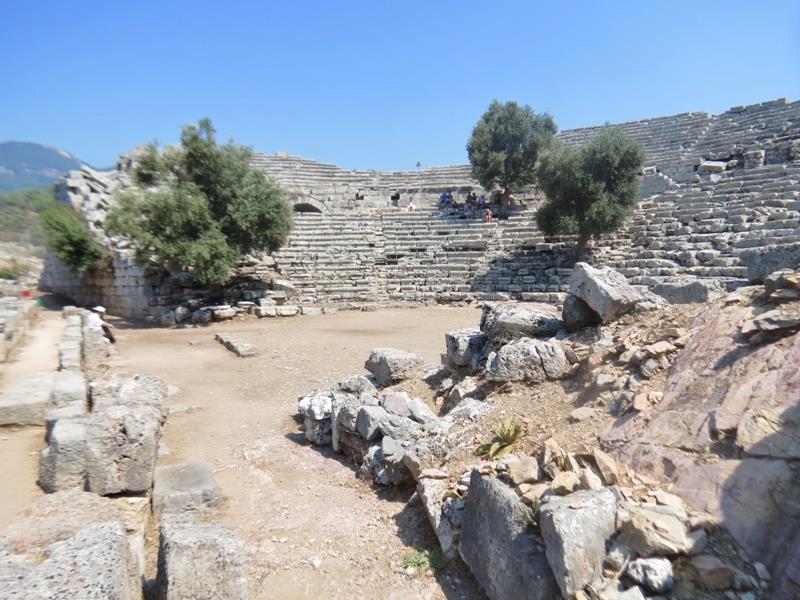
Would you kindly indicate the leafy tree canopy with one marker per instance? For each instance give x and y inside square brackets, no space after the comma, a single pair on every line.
[590,189]
[505,144]
[201,206]
[68,237]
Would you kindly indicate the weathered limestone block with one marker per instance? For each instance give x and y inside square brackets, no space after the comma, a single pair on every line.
[396,403]
[241,349]
[103,390]
[498,546]
[26,400]
[199,560]
[390,365]
[369,420]
[762,261]
[62,464]
[94,564]
[185,486]
[54,415]
[526,360]
[576,314]
[688,290]
[287,310]
[69,356]
[69,387]
[122,443]
[606,291]
[575,530]
[503,323]
[144,389]
[344,414]
[95,348]
[652,531]
[464,347]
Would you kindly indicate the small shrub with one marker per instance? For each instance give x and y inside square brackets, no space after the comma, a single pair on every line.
[422,560]
[14,269]
[507,435]
[69,239]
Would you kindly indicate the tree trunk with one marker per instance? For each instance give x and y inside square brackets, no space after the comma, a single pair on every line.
[580,246]
[504,210]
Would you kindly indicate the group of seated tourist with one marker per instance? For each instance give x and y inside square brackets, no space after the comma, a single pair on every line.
[473,206]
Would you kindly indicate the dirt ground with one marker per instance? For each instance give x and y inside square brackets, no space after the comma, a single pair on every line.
[19,446]
[313,530]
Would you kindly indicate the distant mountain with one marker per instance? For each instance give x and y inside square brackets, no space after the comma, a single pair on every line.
[25,164]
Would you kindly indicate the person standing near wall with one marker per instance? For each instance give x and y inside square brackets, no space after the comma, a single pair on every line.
[95,319]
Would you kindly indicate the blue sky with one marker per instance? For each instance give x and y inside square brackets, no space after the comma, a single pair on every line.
[374,84]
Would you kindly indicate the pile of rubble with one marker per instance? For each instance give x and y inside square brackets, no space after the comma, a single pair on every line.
[552,523]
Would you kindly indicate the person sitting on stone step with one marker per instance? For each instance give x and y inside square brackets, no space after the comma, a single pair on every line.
[95,319]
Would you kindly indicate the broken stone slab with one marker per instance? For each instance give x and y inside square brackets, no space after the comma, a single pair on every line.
[62,464]
[464,347]
[310,310]
[784,279]
[396,403]
[576,529]
[526,360]
[400,428]
[122,443]
[241,349]
[390,365]
[689,290]
[498,545]
[182,487]
[421,412]
[357,385]
[199,560]
[502,323]
[287,310]
[369,420]
[576,314]
[386,463]
[69,387]
[94,563]
[650,531]
[431,492]
[316,405]
[344,414]
[762,261]
[605,290]
[26,400]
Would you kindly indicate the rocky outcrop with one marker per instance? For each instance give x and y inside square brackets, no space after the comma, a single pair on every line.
[727,433]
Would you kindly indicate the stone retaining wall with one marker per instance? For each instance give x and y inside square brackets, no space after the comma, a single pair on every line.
[16,316]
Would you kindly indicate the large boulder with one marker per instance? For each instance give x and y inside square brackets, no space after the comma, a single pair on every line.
[605,290]
[526,360]
[199,560]
[464,347]
[576,529]
[689,290]
[760,262]
[121,448]
[499,546]
[390,365]
[503,323]
[728,423]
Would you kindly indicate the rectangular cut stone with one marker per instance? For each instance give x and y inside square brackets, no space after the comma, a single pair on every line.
[27,400]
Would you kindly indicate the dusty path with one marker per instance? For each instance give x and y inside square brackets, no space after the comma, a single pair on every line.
[19,446]
[313,530]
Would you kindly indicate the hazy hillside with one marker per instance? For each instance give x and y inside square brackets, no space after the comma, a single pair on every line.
[25,165]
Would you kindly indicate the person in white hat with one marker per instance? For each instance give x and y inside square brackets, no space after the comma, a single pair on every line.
[95,319]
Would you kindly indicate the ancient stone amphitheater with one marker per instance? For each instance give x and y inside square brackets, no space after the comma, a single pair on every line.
[714,187]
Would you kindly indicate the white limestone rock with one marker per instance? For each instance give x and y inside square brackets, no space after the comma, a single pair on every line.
[390,365]
[606,291]
[526,360]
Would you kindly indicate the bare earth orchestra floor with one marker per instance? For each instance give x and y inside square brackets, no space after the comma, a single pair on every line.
[312,529]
